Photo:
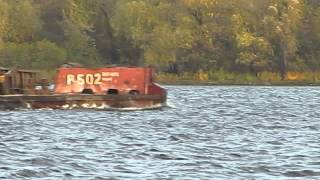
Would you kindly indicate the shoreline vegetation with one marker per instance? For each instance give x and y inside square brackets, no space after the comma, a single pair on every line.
[244,79]
[223,78]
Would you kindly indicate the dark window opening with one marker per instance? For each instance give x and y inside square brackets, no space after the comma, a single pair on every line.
[134,92]
[113,91]
[87,91]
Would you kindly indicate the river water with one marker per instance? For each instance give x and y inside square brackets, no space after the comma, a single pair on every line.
[207,132]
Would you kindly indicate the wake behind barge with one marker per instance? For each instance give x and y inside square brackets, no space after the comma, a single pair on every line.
[79,87]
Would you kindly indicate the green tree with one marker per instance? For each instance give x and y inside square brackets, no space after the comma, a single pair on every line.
[103,34]
[47,55]
[78,45]
[281,27]
[309,35]
[24,22]
[43,55]
[4,15]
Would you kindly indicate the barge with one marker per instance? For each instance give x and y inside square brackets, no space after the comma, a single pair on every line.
[80,87]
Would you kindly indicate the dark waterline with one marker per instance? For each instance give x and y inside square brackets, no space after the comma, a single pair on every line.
[207,132]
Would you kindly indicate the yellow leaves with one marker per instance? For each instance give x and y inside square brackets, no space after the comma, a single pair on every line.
[238,23]
[3,17]
[245,39]
[295,11]
[139,7]
[148,26]
[295,75]
[211,14]
[153,56]
[315,20]
[207,8]
[206,3]
[24,21]
[273,11]
[202,75]
[237,18]
[166,29]
[295,2]
[72,12]
[264,45]
[266,76]
[290,16]
[81,12]
[135,20]
[184,38]
[76,11]
[254,51]
[164,37]
[246,57]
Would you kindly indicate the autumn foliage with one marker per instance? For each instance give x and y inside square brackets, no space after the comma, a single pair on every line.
[197,39]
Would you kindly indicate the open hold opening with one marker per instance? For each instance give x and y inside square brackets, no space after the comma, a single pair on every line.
[134,92]
[87,91]
[112,91]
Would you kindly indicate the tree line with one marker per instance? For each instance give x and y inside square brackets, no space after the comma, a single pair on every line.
[245,36]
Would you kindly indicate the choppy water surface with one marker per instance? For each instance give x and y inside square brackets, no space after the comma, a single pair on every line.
[206,133]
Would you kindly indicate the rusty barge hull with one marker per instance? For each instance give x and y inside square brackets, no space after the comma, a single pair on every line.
[10,102]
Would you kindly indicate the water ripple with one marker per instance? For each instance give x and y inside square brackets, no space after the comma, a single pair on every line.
[223,132]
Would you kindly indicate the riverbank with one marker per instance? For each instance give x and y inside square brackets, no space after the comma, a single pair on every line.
[223,78]
[231,83]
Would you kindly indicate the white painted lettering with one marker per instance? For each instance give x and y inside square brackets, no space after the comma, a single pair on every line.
[70,79]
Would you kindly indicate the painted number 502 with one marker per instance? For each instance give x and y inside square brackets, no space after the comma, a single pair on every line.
[82,79]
